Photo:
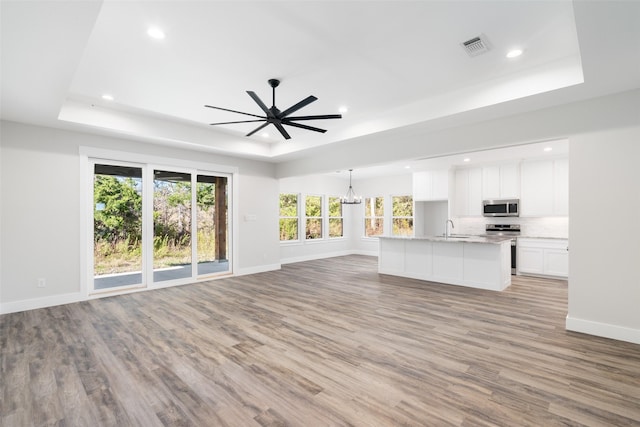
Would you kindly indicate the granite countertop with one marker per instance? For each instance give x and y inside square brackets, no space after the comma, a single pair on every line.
[455,238]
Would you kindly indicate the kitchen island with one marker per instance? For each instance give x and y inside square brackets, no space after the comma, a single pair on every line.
[476,262]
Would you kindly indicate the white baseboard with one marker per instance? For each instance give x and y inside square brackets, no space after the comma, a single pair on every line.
[42,302]
[50,301]
[366,253]
[312,257]
[291,260]
[257,269]
[606,330]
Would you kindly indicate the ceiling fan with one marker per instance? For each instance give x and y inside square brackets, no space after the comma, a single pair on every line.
[276,117]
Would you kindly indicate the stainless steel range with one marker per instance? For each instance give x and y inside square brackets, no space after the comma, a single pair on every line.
[506,230]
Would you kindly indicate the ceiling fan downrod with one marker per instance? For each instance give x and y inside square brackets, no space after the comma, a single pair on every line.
[274,83]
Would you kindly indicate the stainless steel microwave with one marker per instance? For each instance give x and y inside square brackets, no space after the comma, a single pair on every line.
[505,207]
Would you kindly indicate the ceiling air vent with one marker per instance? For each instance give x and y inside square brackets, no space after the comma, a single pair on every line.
[476,46]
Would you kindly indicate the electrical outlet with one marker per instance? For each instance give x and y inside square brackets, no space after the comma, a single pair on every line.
[42,283]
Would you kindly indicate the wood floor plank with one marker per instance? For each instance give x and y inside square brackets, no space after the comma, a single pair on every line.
[321,343]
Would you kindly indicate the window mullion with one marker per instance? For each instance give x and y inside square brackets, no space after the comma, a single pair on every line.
[194,224]
[147,224]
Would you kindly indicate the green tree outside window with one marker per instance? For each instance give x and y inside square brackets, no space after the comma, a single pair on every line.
[313,213]
[402,215]
[335,218]
[288,217]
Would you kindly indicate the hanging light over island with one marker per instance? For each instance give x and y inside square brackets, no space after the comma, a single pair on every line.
[350,198]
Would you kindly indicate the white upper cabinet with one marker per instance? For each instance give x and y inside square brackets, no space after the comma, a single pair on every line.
[468,192]
[501,182]
[510,181]
[561,187]
[545,188]
[537,188]
[491,182]
[431,185]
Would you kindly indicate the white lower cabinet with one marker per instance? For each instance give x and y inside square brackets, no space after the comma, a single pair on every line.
[556,262]
[543,257]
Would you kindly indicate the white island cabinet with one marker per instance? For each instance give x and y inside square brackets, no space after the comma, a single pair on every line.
[474,262]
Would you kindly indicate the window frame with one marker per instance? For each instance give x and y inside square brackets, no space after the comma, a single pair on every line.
[365,218]
[329,218]
[297,218]
[393,217]
[321,218]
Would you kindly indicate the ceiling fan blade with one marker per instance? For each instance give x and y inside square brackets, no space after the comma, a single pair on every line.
[284,133]
[240,121]
[321,117]
[234,111]
[262,126]
[308,100]
[298,125]
[260,103]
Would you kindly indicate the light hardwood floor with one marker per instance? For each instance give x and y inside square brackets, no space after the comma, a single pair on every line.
[327,342]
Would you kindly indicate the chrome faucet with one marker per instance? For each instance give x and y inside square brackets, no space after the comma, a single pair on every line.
[446,228]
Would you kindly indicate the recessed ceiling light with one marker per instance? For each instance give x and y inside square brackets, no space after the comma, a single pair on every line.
[155,33]
[265,134]
[407,167]
[107,97]
[548,148]
[467,160]
[343,109]
[514,53]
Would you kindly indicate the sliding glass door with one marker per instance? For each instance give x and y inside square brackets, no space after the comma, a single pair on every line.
[172,248]
[173,232]
[117,226]
[212,224]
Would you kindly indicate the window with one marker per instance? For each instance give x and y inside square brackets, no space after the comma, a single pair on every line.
[288,217]
[313,214]
[402,215]
[335,218]
[373,216]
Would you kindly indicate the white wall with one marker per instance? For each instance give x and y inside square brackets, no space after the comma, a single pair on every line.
[258,239]
[40,211]
[431,218]
[604,255]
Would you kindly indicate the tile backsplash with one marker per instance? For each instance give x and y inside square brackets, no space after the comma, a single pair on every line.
[529,227]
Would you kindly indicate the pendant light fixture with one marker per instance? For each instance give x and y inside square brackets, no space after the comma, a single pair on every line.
[350,198]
